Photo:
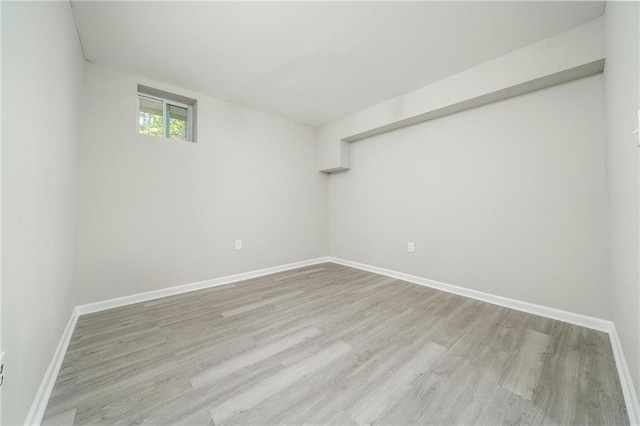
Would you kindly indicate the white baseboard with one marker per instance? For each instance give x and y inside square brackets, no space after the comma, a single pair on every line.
[186,288]
[39,405]
[628,390]
[531,308]
[48,381]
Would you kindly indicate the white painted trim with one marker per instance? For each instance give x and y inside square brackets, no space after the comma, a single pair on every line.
[531,308]
[48,381]
[34,417]
[630,397]
[186,288]
[36,412]
[628,390]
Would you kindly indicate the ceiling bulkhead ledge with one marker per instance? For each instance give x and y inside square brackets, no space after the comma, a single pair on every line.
[568,56]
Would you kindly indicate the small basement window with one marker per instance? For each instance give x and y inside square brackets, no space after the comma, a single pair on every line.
[166,114]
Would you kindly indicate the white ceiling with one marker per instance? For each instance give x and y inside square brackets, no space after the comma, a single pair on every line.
[313,62]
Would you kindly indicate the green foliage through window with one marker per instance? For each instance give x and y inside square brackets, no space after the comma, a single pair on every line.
[151,119]
[178,117]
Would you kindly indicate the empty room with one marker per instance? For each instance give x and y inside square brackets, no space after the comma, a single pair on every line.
[323,213]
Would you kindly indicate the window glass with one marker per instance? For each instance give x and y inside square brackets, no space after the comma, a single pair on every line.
[177,122]
[166,115]
[150,117]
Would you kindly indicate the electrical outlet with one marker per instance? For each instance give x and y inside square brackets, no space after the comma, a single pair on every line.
[410,247]
[238,244]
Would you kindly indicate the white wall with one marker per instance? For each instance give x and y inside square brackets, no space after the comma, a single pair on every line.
[621,103]
[42,73]
[567,56]
[156,213]
[509,199]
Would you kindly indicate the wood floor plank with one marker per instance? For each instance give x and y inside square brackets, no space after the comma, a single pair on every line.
[277,382]
[242,361]
[372,406]
[66,418]
[521,376]
[259,304]
[329,344]
[180,406]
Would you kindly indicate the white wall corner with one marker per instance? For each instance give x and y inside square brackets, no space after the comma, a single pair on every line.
[519,305]
[41,399]
[186,288]
[333,156]
[626,382]
[39,405]
[628,390]
[568,56]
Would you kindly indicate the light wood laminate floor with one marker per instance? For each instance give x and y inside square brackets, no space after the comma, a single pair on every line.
[328,344]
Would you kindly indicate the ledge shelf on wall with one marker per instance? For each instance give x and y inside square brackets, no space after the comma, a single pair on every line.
[568,56]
